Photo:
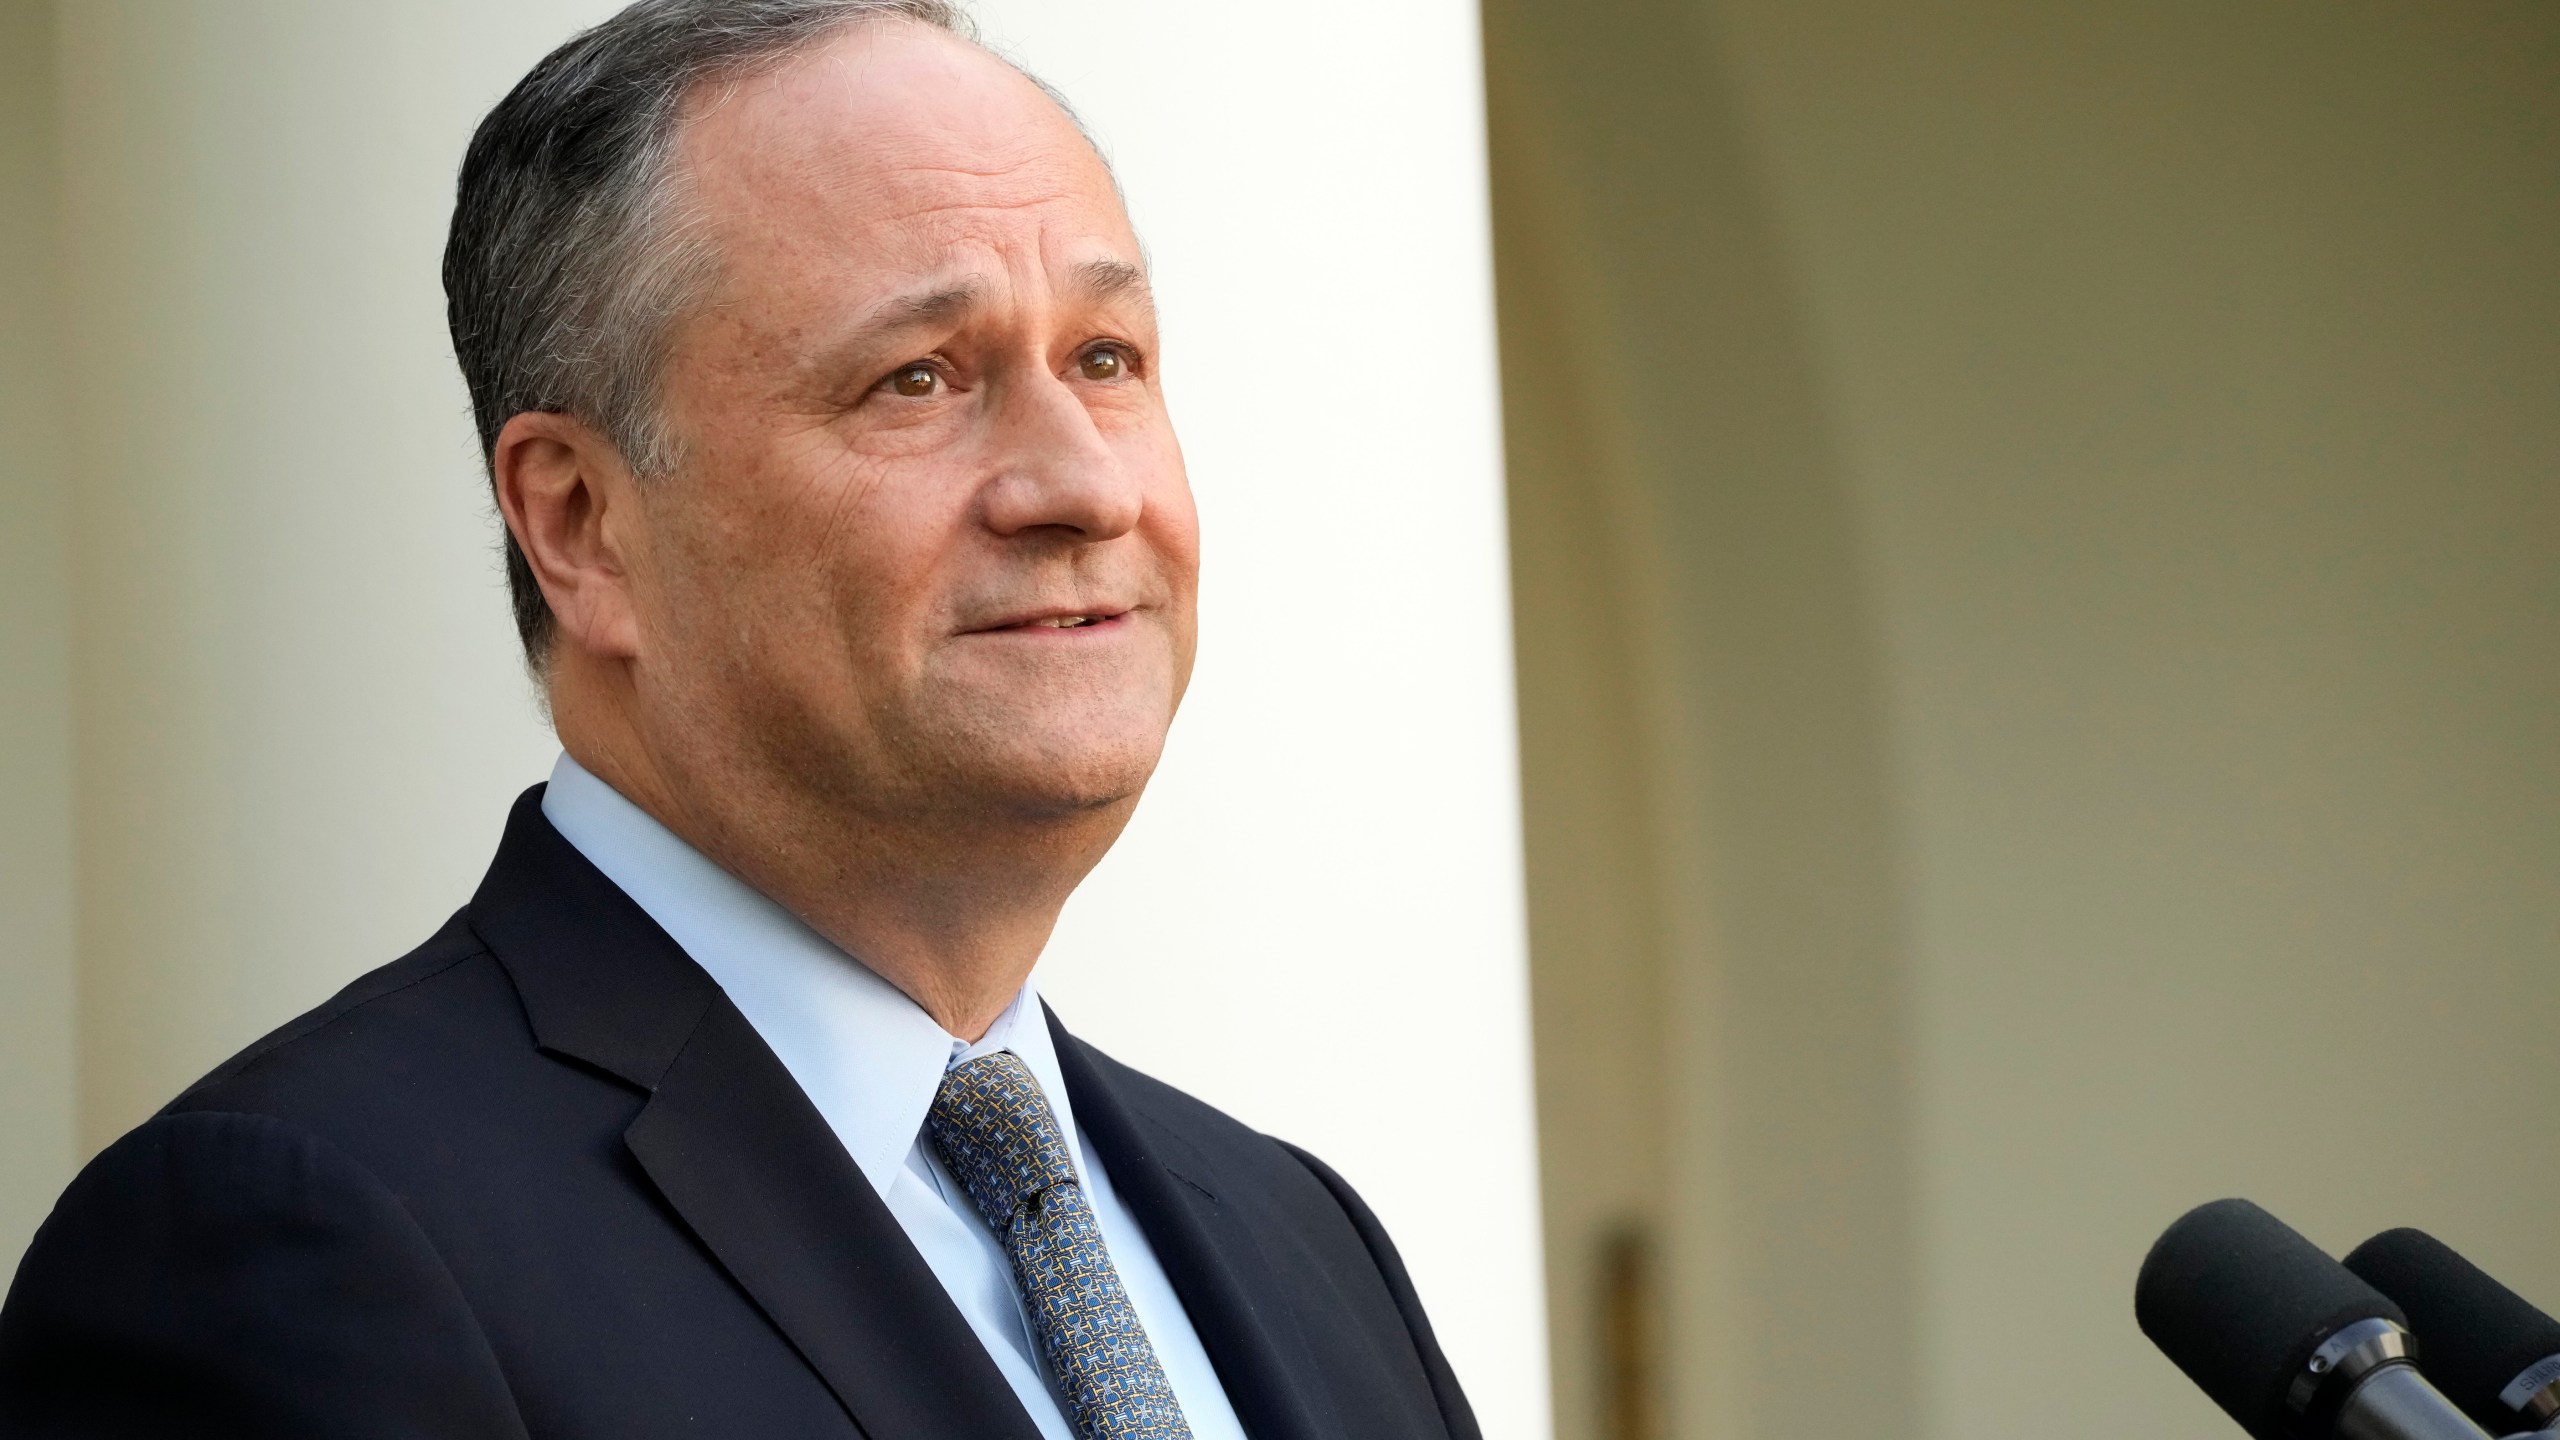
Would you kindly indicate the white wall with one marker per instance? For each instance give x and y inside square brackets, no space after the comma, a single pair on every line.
[299,711]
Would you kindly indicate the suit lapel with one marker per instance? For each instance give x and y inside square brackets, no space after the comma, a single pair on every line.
[732,1143]
[1210,1254]
[739,1151]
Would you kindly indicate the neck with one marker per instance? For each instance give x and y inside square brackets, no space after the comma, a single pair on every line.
[952,909]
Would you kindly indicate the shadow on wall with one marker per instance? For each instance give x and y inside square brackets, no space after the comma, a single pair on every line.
[1715,917]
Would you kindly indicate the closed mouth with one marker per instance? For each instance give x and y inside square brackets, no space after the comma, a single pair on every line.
[1062,620]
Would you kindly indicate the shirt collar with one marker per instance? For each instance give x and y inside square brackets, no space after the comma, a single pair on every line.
[1023,1028]
[870,1059]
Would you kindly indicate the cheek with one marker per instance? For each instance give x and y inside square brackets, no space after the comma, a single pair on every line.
[1172,520]
[744,556]
[845,552]
[1175,526]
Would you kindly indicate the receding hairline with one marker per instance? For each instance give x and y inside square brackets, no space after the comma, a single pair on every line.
[717,90]
[677,161]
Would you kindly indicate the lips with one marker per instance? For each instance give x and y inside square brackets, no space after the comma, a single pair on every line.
[1048,620]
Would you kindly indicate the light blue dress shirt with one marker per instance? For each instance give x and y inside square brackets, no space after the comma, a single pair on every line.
[871,1061]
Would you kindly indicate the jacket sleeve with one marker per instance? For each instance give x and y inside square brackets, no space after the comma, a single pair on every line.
[219,1274]
[1455,1412]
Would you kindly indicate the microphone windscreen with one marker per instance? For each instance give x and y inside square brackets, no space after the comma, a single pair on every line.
[2475,1336]
[2239,1301]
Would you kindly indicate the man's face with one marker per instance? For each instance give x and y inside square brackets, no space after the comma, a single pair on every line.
[928,547]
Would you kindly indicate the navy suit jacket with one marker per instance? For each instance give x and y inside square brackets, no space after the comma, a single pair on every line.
[539,1178]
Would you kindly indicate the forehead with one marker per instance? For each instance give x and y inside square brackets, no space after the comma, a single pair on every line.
[891,142]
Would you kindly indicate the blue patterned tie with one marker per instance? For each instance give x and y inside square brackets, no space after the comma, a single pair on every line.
[994,1129]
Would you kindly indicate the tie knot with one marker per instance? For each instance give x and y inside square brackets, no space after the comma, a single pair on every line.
[995,1130]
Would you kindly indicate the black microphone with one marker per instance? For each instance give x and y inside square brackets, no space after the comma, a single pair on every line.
[2286,1340]
[2494,1354]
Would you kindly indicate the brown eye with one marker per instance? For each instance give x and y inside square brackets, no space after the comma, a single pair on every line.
[1103,364]
[915,381]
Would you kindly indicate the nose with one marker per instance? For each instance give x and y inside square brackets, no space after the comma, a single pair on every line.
[1054,468]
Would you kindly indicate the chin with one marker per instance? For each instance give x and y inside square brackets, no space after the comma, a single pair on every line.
[1057,765]
[1052,750]
[1060,783]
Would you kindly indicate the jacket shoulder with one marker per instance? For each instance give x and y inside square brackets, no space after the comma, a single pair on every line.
[1229,1146]
[231,1274]
[428,1072]
[450,946]
[1308,1220]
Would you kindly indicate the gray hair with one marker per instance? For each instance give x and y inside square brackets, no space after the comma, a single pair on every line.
[570,256]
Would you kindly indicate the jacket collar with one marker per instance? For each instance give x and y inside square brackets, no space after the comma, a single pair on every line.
[600,981]
[734,1146]
[1209,1251]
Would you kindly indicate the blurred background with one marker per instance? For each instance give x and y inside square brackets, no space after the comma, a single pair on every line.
[2032,634]
[2036,545]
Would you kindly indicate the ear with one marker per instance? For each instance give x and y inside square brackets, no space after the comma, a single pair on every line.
[574,510]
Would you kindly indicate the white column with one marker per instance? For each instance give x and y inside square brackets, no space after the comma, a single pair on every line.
[37,1143]
[300,719]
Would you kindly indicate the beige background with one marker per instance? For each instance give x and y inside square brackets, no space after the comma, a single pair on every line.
[39,1131]
[2037,541]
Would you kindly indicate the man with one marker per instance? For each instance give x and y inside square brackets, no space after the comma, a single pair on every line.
[814,360]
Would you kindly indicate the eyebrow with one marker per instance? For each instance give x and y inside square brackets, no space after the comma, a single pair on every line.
[921,308]
[1094,282]
[1105,280]
[895,316]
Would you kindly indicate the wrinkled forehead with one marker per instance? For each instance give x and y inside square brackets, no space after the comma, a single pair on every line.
[893,141]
